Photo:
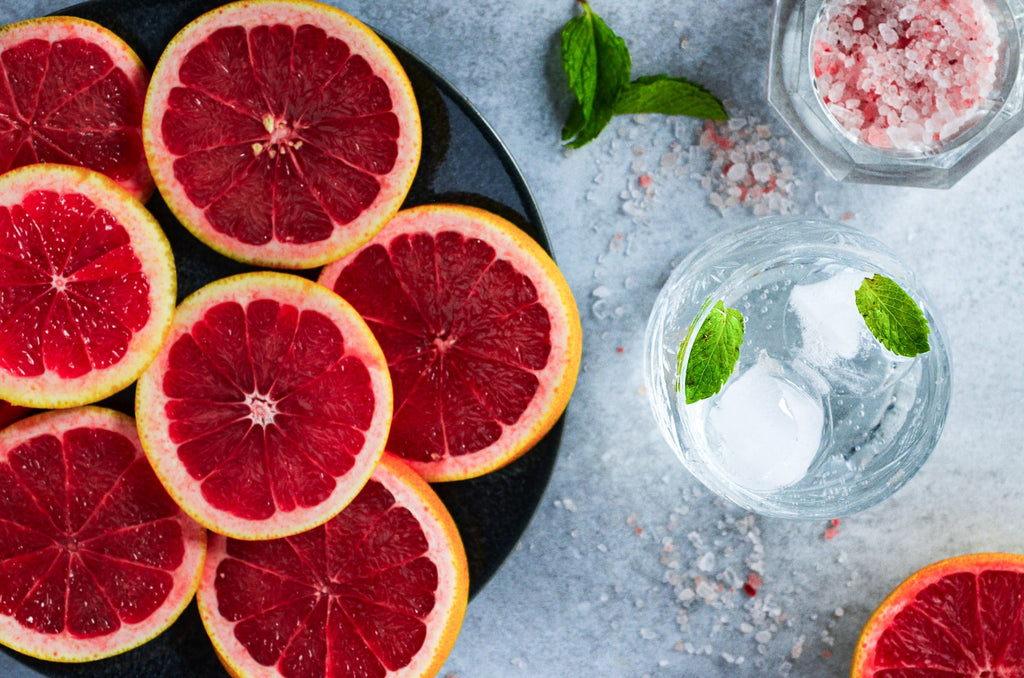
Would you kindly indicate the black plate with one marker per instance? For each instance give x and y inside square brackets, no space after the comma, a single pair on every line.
[463,161]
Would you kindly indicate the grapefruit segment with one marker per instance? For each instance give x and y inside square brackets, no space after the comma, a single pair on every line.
[71,92]
[379,590]
[87,286]
[963,616]
[267,407]
[95,558]
[282,133]
[480,330]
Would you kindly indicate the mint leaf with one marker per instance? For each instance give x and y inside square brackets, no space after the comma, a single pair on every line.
[579,60]
[681,353]
[597,64]
[670,96]
[714,353]
[892,316]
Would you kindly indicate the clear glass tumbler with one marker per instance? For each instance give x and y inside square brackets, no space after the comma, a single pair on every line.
[818,419]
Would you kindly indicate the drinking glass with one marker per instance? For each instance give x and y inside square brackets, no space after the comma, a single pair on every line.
[818,419]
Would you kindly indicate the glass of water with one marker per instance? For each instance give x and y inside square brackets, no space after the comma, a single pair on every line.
[817,419]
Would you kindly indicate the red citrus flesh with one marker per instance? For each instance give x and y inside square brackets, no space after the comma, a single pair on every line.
[71,92]
[267,407]
[11,413]
[87,286]
[282,133]
[961,617]
[95,558]
[380,590]
[480,330]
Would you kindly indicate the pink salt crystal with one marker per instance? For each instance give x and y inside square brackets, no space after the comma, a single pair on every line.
[906,74]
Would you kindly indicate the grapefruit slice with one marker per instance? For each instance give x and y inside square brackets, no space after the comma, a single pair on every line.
[282,133]
[380,590]
[95,558]
[11,413]
[963,616]
[267,407]
[480,330]
[87,286]
[71,92]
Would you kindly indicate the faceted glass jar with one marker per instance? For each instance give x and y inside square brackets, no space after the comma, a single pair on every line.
[817,419]
[793,91]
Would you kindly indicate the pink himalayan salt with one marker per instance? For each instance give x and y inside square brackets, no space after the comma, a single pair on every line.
[906,74]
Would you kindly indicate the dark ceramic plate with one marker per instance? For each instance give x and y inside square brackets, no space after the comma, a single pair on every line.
[463,161]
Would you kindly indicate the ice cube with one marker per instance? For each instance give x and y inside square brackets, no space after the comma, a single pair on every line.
[836,342]
[831,324]
[764,429]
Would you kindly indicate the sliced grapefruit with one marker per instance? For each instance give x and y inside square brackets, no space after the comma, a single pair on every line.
[95,558]
[267,407]
[11,413]
[480,330]
[380,590]
[71,92]
[282,133]
[963,616]
[87,286]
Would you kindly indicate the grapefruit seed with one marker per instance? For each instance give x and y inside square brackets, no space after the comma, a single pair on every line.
[379,590]
[87,286]
[267,407]
[282,133]
[480,330]
[95,558]
[963,616]
[71,92]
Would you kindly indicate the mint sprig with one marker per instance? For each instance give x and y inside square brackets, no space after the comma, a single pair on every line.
[714,353]
[597,64]
[892,316]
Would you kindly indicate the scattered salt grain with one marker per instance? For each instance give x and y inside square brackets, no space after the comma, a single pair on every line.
[906,75]
[746,167]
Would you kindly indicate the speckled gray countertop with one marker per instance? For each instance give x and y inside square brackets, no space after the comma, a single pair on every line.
[630,568]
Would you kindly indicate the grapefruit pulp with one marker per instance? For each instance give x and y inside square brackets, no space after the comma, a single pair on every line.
[282,133]
[963,616]
[379,590]
[95,558]
[267,407]
[87,286]
[480,330]
[71,92]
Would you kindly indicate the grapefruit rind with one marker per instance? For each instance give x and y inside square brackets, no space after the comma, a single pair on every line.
[557,379]
[443,622]
[152,420]
[864,660]
[65,647]
[363,41]
[54,28]
[149,245]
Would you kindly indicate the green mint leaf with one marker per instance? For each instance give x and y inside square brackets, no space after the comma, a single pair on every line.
[599,119]
[574,123]
[671,96]
[597,64]
[892,316]
[714,352]
[579,61]
[681,353]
